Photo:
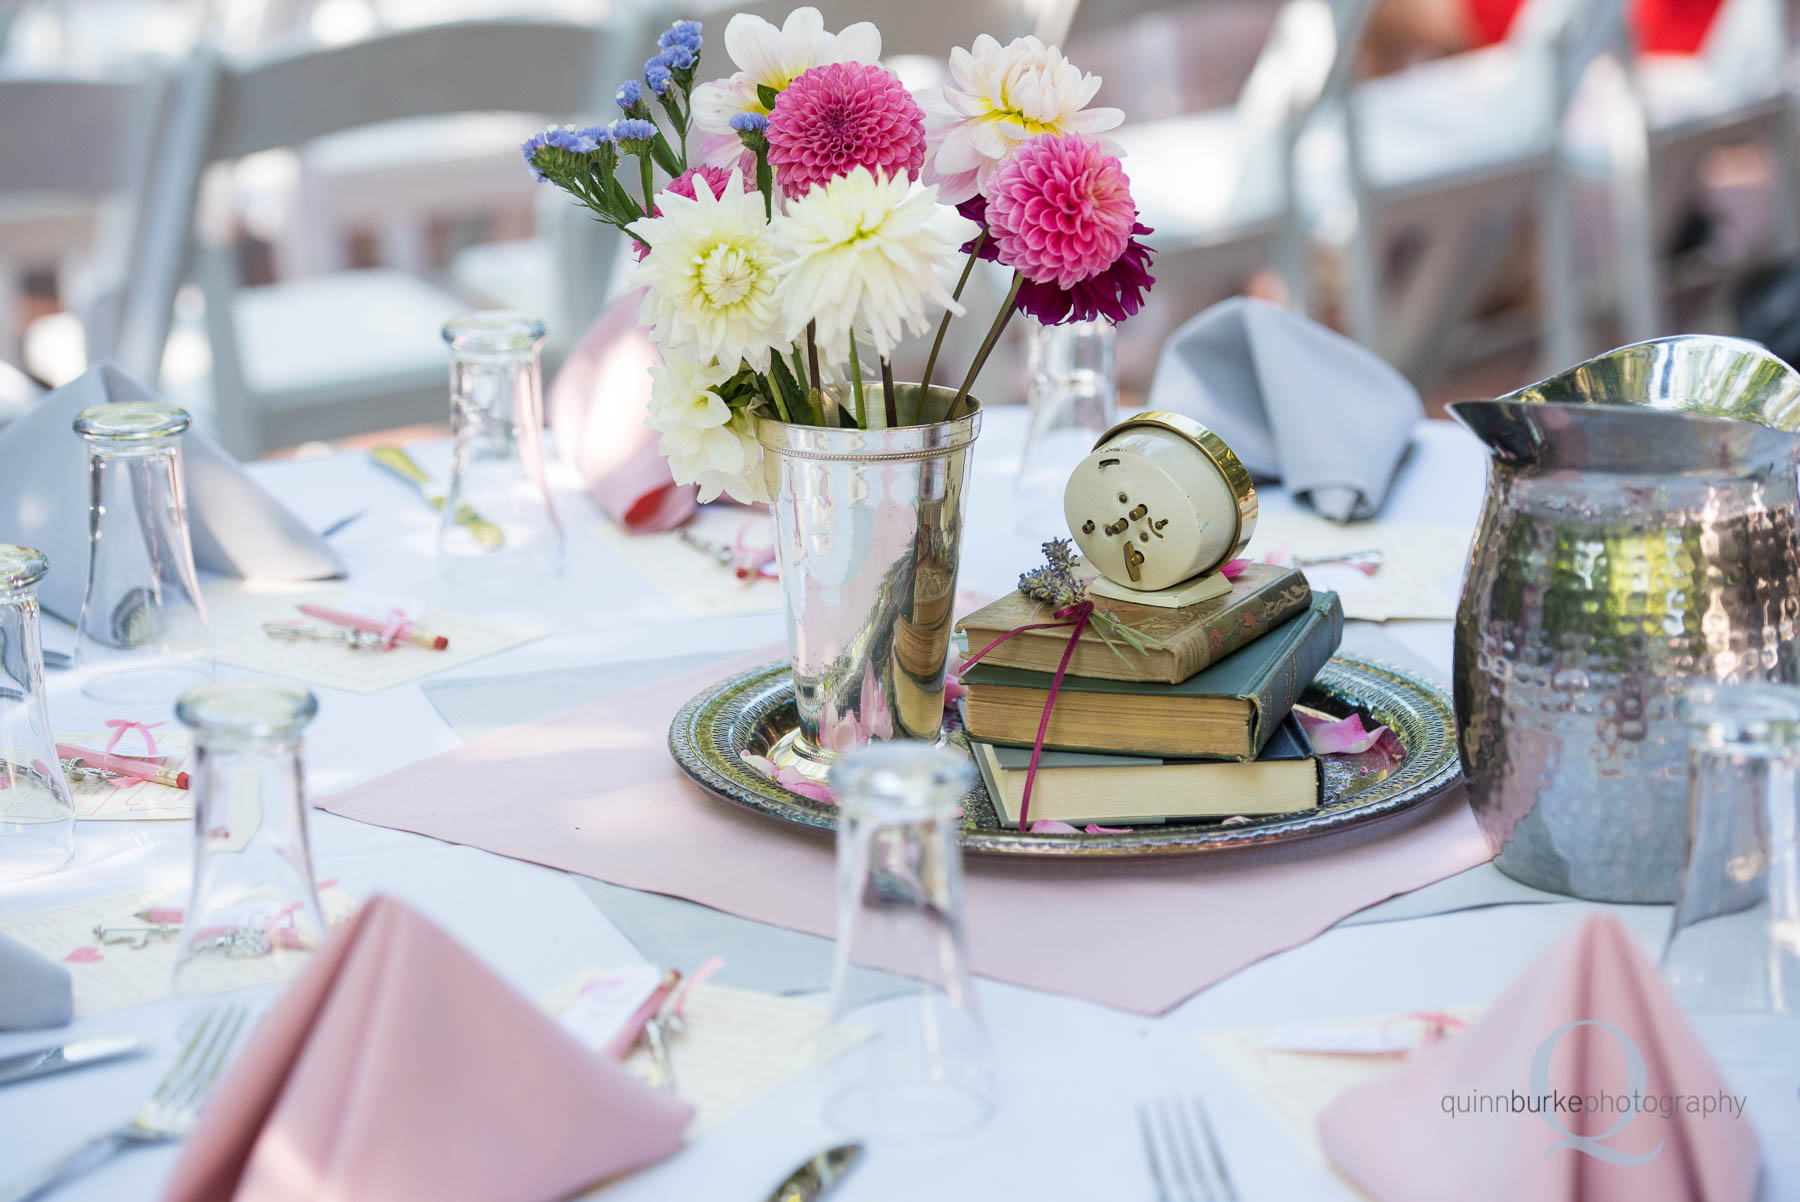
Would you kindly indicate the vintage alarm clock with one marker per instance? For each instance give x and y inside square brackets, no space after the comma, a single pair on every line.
[1160,501]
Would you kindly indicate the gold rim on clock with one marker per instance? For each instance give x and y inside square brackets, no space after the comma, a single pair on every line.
[1216,449]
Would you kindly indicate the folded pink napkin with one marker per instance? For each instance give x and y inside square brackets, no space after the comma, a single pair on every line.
[1583,1083]
[598,403]
[397,1067]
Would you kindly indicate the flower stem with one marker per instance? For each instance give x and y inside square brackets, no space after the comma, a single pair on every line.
[812,353]
[938,342]
[987,344]
[856,389]
[648,173]
[889,401]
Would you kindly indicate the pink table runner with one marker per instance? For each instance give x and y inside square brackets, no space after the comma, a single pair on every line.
[593,790]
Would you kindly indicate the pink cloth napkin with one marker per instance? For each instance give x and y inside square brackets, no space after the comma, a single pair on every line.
[1395,1139]
[398,1066]
[598,403]
[608,802]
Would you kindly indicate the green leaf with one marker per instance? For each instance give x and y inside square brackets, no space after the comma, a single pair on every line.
[767,95]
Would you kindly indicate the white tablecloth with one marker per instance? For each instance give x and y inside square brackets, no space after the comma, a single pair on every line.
[1071,1070]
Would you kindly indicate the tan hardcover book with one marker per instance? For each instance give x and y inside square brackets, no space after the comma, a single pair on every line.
[1177,642]
[1076,788]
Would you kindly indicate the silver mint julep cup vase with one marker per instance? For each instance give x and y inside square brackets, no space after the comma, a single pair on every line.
[868,533]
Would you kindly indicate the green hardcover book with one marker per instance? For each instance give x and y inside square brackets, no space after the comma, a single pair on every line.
[1079,787]
[1229,711]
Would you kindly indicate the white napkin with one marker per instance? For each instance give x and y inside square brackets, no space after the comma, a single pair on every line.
[238,529]
[1295,400]
[33,991]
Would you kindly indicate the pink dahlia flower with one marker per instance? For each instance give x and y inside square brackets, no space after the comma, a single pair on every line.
[841,116]
[683,185]
[1059,210]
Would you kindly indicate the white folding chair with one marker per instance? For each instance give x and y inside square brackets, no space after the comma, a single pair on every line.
[76,155]
[352,351]
[1676,110]
[1218,186]
[1454,150]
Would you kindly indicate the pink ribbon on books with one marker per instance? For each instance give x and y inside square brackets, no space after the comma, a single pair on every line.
[119,726]
[1075,615]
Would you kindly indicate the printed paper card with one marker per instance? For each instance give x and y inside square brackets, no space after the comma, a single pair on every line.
[1421,566]
[111,976]
[238,612]
[736,1045]
[696,567]
[123,798]
[1294,1072]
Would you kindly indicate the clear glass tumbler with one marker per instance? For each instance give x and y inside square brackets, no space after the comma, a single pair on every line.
[37,818]
[143,636]
[912,1064]
[1073,395]
[253,914]
[499,531]
[1734,944]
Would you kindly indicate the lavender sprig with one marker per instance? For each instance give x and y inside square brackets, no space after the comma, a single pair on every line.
[1058,584]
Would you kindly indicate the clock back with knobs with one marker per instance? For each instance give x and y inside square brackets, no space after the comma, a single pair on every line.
[1160,500]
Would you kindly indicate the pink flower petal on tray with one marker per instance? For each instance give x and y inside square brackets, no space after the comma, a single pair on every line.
[789,778]
[1050,826]
[1346,736]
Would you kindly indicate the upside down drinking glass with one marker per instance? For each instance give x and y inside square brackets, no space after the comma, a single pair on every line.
[912,1063]
[1734,944]
[499,531]
[143,635]
[37,818]
[253,913]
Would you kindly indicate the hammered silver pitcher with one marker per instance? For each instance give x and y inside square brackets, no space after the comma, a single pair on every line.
[868,532]
[1639,535]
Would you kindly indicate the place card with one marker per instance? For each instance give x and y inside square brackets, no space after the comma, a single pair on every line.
[123,799]
[1292,1073]
[112,976]
[737,1045]
[695,567]
[239,610]
[1421,566]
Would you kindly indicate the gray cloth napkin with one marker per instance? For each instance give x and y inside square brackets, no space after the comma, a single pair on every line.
[33,991]
[1296,401]
[237,527]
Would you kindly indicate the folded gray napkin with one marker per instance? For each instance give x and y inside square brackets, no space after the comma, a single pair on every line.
[237,527]
[33,991]
[1298,402]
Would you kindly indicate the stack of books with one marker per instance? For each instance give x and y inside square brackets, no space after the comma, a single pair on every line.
[1197,725]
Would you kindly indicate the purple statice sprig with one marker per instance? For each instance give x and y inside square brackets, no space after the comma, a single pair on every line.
[753,131]
[630,99]
[1058,583]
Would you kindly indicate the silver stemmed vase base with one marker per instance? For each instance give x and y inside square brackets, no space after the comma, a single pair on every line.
[868,533]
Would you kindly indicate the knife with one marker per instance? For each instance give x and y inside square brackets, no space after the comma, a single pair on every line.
[398,462]
[818,1176]
[44,1061]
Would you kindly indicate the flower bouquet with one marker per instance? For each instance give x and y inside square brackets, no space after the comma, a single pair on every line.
[814,217]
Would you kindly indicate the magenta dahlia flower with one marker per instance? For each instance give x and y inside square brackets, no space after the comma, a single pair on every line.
[841,116]
[1059,209]
[1115,293]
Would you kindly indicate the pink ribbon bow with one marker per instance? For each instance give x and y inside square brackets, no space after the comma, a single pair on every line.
[1075,615]
[119,726]
[397,626]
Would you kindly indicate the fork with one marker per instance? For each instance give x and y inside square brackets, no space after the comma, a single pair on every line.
[168,1114]
[1186,1162]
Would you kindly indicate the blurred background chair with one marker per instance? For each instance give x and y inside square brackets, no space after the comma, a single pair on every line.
[77,152]
[1420,182]
[343,351]
[1706,79]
